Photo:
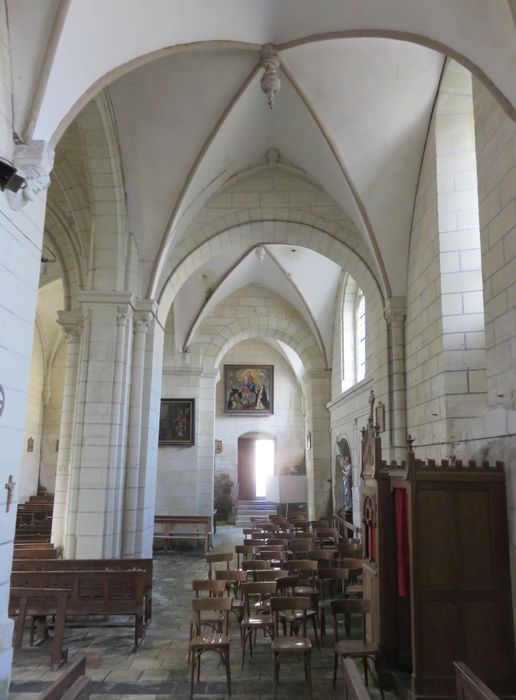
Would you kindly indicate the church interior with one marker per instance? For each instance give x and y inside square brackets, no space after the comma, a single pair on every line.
[258,283]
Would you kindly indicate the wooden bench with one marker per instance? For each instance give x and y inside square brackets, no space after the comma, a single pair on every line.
[469,686]
[73,684]
[41,564]
[354,686]
[30,601]
[184,527]
[110,593]
[32,553]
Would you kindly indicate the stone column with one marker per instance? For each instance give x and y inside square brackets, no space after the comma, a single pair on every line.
[317,385]
[98,460]
[206,439]
[141,322]
[151,402]
[395,311]
[71,323]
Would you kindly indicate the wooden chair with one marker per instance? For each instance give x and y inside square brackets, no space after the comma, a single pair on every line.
[255,615]
[252,565]
[326,537]
[211,588]
[287,586]
[270,574]
[354,586]
[353,648]
[233,581]
[469,686]
[282,645]
[217,641]
[246,550]
[332,581]
[283,540]
[272,548]
[324,557]
[226,557]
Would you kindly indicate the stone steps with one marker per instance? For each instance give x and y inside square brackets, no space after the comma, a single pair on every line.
[251,509]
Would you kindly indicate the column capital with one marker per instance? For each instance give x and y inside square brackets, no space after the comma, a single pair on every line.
[72,323]
[34,162]
[395,309]
[142,321]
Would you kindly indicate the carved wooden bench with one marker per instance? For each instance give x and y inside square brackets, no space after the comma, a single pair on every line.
[73,684]
[25,602]
[110,593]
[40,564]
[469,686]
[184,527]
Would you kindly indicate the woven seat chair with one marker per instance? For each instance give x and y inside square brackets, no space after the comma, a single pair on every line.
[216,641]
[283,645]
[353,648]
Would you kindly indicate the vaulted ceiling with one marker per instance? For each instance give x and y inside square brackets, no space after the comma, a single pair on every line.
[359,81]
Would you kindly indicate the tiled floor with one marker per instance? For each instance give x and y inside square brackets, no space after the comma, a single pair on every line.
[159,669]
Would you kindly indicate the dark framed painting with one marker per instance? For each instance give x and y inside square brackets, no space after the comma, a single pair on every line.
[177,422]
[249,390]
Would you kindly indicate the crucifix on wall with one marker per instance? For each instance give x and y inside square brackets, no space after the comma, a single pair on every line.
[10,489]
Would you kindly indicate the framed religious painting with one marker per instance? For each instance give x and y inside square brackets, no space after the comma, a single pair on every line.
[177,422]
[249,390]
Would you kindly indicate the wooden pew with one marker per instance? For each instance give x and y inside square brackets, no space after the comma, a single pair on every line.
[354,687]
[30,601]
[184,527]
[73,684]
[32,553]
[94,593]
[29,537]
[42,564]
[469,686]
[33,545]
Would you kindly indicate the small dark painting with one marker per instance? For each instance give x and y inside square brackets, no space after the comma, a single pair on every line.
[176,422]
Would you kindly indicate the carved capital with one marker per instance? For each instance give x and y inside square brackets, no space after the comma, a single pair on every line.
[142,321]
[395,310]
[34,162]
[72,323]
[122,314]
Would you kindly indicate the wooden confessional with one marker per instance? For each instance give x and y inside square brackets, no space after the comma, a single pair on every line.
[435,540]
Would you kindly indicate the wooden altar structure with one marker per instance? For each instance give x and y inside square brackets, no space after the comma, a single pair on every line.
[437,572]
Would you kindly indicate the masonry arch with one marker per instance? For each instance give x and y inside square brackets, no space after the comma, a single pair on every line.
[49,123]
[262,233]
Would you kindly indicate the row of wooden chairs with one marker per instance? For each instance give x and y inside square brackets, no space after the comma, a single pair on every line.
[254,603]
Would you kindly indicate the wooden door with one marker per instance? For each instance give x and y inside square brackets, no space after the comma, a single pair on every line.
[246,477]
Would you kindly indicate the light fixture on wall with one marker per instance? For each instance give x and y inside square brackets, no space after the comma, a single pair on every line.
[10,179]
[45,259]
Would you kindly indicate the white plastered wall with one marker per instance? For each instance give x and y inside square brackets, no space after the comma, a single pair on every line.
[21,234]
[28,485]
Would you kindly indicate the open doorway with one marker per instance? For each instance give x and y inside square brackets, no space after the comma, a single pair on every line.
[255,464]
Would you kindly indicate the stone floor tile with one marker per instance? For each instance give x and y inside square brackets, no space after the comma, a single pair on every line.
[159,669]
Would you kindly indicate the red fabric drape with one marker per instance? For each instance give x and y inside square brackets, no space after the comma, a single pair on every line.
[402,541]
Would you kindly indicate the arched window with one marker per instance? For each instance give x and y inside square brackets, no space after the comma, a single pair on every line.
[360,331]
[353,359]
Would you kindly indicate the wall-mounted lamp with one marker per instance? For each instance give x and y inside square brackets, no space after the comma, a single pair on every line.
[10,179]
[45,259]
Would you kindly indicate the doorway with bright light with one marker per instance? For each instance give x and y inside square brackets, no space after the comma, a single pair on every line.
[255,465]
